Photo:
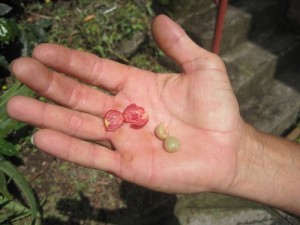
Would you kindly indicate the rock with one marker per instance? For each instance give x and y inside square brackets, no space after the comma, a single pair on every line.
[128,46]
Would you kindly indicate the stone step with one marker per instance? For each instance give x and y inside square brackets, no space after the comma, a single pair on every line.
[285,45]
[215,209]
[291,77]
[250,65]
[244,20]
[182,8]
[274,109]
[200,27]
[265,15]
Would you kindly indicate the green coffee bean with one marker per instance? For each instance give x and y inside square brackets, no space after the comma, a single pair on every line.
[161,131]
[171,144]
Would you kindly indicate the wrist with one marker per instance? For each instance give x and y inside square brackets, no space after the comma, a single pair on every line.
[268,171]
[249,163]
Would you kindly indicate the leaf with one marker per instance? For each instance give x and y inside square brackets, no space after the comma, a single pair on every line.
[3,186]
[8,149]
[31,34]
[164,2]
[13,211]
[8,30]
[88,18]
[24,187]
[4,9]
[7,124]
[4,218]
[3,62]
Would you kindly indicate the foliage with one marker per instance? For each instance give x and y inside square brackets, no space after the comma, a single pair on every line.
[13,31]
[98,27]
[164,2]
[7,124]
[298,139]
[8,149]
[4,9]
[19,31]
[147,62]
[11,208]
[28,34]
[8,30]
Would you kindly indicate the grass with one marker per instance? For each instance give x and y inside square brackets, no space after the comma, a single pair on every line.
[100,27]
[105,28]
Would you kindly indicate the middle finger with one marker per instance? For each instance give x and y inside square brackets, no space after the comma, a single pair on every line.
[44,115]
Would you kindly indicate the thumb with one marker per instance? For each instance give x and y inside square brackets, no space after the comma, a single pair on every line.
[176,44]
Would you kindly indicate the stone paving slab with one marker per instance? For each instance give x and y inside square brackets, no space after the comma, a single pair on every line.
[204,209]
[249,66]
[264,15]
[200,26]
[215,209]
[272,110]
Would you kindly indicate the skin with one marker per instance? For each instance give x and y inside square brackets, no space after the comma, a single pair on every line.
[220,152]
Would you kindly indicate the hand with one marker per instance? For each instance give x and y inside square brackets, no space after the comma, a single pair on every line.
[198,105]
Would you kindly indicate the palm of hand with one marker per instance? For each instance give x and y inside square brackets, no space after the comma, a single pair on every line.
[199,107]
[201,111]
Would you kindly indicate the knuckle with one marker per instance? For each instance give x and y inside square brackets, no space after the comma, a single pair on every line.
[74,123]
[92,156]
[77,96]
[96,73]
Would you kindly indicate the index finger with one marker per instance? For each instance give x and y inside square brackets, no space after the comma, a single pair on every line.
[84,66]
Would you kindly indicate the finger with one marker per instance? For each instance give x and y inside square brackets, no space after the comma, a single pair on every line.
[173,40]
[85,66]
[43,115]
[59,88]
[77,151]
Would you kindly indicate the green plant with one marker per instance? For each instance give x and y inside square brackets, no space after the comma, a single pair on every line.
[10,208]
[9,125]
[20,203]
[8,30]
[164,2]
[22,34]
[98,27]
[148,62]
[298,139]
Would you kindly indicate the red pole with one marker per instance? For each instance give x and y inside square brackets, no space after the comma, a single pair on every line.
[222,8]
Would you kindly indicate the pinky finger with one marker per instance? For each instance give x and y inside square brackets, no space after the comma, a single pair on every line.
[77,151]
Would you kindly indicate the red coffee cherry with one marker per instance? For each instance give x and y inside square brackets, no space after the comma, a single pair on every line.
[113,119]
[135,115]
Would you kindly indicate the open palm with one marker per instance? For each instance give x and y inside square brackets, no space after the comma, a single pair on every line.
[198,106]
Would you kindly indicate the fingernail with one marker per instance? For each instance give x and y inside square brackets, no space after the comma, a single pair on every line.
[32,139]
[10,65]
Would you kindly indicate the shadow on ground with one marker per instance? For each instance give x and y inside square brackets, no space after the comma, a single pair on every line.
[143,207]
